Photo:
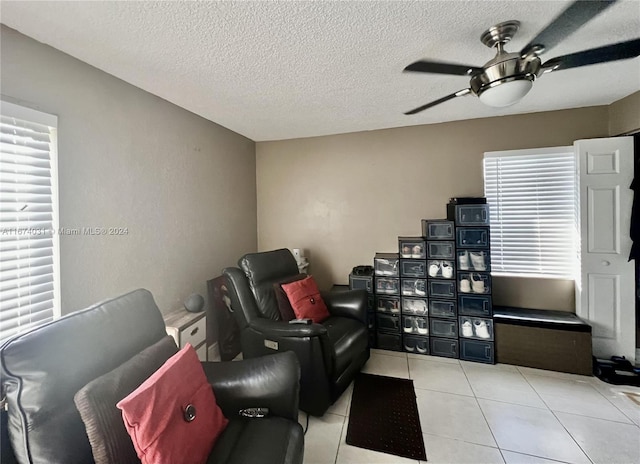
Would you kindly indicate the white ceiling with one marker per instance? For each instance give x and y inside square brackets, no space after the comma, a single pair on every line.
[285,69]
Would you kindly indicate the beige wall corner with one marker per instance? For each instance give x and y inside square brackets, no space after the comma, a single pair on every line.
[624,115]
[182,186]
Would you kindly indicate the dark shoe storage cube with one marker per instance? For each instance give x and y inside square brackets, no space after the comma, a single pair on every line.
[416,325]
[474,305]
[476,327]
[415,344]
[441,269]
[443,327]
[441,250]
[442,288]
[388,323]
[443,308]
[473,260]
[361,283]
[472,237]
[474,282]
[477,351]
[446,347]
[389,342]
[437,229]
[468,215]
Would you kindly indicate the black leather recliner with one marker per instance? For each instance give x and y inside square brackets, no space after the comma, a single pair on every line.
[330,353]
[42,369]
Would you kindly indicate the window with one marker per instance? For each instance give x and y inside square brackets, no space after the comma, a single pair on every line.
[29,267]
[533,199]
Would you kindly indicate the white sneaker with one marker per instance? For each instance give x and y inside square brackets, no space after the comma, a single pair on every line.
[481,329]
[463,261]
[467,330]
[419,288]
[421,346]
[420,307]
[406,252]
[477,259]
[417,252]
[465,286]
[434,269]
[477,284]
[407,325]
[447,270]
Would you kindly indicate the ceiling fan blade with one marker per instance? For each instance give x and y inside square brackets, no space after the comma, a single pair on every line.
[459,93]
[437,67]
[569,21]
[614,52]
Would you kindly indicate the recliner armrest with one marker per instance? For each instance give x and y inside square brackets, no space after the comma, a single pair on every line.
[352,304]
[271,381]
[284,329]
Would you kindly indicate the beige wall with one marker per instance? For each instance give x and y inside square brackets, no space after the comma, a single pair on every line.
[624,115]
[183,186]
[344,197]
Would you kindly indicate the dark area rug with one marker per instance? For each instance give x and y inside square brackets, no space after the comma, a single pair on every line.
[384,417]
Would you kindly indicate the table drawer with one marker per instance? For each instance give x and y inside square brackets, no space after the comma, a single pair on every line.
[195,333]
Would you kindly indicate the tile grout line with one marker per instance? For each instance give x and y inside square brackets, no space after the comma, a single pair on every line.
[558,419]
[335,461]
[475,397]
[612,403]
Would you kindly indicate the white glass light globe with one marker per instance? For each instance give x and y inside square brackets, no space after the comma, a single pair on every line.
[506,93]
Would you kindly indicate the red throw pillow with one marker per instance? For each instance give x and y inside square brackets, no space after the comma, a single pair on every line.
[305,300]
[173,414]
[284,306]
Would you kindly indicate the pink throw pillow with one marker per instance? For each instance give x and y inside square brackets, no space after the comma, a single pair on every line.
[173,415]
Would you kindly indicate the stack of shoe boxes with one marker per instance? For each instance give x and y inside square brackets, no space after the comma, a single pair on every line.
[441,286]
[387,301]
[413,289]
[475,312]
[364,280]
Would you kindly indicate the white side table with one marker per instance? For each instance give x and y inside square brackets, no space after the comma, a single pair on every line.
[187,327]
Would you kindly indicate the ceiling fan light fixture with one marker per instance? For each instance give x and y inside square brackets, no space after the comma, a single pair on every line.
[506,92]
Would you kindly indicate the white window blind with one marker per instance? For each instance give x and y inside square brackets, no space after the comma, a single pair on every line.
[28,219]
[533,200]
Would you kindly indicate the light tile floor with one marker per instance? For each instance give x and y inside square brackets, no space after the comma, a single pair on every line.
[477,413]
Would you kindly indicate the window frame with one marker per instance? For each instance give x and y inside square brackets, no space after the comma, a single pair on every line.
[573,274]
[13,110]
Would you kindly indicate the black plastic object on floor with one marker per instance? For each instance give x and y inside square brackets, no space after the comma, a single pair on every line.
[384,417]
[617,370]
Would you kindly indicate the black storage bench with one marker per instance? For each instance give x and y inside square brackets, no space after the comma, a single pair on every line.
[544,339]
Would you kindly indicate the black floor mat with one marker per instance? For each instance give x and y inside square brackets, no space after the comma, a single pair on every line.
[384,417]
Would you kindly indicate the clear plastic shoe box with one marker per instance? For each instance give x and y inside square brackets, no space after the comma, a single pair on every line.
[476,327]
[477,351]
[414,287]
[435,229]
[443,308]
[413,268]
[474,282]
[415,325]
[443,327]
[386,264]
[446,347]
[412,248]
[415,306]
[415,344]
[441,288]
[387,341]
[468,214]
[474,305]
[472,237]
[473,260]
[388,304]
[387,285]
[441,269]
[388,323]
[441,250]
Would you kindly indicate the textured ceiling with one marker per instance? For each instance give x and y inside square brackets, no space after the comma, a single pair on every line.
[285,69]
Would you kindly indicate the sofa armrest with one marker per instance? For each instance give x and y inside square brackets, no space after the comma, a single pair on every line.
[271,381]
[281,329]
[352,304]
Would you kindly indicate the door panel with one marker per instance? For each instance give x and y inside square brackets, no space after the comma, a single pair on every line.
[605,291]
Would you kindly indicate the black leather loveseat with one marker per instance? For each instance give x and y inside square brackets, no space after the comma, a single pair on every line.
[44,368]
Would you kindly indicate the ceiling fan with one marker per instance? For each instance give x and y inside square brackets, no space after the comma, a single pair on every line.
[508,77]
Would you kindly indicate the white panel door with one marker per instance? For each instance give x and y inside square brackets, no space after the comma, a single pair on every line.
[605,295]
